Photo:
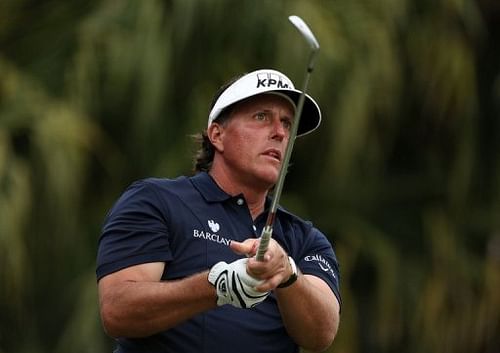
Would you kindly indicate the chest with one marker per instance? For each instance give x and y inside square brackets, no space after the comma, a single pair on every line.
[200,233]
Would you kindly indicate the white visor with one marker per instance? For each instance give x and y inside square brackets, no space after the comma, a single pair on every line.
[267,81]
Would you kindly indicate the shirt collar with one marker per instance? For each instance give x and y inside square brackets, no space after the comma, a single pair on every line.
[208,188]
[211,192]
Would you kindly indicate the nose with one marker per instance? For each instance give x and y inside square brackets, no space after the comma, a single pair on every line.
[279,132]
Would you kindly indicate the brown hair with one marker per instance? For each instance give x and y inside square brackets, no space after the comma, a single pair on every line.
[204,156]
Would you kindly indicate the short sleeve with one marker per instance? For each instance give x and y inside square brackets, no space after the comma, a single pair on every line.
[319,259]
[134,231]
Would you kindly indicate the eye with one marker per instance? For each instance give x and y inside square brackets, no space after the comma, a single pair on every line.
[261,116]
[287,124]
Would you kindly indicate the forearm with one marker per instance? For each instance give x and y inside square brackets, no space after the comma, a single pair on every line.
[310,312]
[139,309]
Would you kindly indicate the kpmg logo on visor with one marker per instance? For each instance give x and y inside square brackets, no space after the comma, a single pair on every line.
[265,80]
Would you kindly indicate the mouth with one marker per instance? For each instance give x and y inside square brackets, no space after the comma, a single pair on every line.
[273,153]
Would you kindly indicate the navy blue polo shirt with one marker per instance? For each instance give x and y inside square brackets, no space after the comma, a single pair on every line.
[188,223]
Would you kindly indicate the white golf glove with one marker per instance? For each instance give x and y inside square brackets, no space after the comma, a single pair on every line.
[234,285]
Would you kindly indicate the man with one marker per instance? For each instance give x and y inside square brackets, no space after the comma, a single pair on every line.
[176,268]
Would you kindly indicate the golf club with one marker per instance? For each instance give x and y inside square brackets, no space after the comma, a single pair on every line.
[267,231]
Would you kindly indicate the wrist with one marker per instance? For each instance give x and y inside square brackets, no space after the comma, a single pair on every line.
[293,276]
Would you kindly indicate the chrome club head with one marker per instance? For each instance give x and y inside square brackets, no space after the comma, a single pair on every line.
[306,32]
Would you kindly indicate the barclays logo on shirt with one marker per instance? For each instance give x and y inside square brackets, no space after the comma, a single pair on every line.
[214,237]
[214,226]
[322,263]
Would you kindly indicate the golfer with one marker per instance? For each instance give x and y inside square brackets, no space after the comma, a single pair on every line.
[175,266]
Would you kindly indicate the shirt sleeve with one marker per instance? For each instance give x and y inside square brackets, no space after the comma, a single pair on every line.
[134,231]
[319,260]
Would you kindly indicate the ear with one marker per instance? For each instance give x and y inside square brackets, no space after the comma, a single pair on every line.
[215,133]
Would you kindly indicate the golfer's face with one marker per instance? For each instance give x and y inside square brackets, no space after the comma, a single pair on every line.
[255,138]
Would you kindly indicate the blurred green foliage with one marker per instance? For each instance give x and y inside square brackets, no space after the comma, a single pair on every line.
[403,174]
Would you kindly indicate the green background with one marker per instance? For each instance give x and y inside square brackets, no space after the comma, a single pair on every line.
[403,174]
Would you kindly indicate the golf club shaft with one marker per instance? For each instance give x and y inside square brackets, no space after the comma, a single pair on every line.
[268,228]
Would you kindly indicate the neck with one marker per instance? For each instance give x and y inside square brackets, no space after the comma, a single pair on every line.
[255,196]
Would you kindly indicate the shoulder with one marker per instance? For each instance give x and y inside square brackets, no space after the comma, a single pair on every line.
[148,195]
[160,183]
[158,188]
[303,234]
[290,219]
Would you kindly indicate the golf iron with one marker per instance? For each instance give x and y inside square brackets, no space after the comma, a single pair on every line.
[267,231]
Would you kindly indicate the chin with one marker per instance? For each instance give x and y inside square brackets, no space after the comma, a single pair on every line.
[269,179]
